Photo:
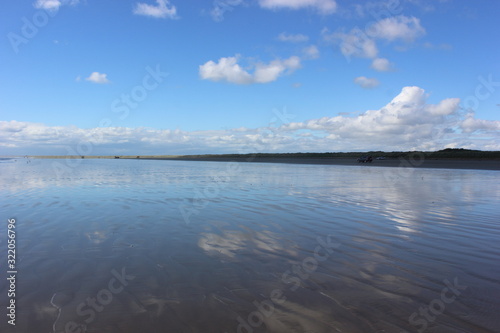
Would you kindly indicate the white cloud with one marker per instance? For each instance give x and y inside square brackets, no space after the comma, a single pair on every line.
[381,65]
[163,9]
[294,38]
[322,6]
[444,108]
[53,5]
[48,4]
[97,77]
[363,43]
[311,52]
[471,124]
[366,83]
[265,73]
[228,69]
[397,27]
[407,122]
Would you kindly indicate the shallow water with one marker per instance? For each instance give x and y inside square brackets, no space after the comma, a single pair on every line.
[172,246]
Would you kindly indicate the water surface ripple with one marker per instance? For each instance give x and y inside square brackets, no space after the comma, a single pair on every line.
[171,246]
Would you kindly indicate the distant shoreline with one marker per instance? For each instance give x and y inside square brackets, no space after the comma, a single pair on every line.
[408,161]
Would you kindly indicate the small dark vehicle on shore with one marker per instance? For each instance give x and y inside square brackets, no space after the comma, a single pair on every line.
[365,159]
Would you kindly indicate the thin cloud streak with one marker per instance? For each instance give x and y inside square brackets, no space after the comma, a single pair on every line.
[324,7]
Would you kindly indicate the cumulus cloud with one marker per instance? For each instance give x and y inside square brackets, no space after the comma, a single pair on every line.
[294,38]
[97,77]
[163,9]
[322,6]
[366,83]
[228,69]
[407,122]
[381,65]
[53,5]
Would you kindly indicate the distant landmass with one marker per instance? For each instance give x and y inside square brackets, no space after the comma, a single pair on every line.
[450,158]
[448,153]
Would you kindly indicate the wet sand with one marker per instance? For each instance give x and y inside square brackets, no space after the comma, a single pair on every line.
[427,163]
[416,162]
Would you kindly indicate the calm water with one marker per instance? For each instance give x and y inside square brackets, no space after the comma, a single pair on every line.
[171,246]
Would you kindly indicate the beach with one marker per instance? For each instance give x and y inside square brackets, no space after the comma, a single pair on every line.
[126,245]
[415,161]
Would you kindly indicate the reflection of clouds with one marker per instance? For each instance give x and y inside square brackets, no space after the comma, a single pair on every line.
[405,203]
[155,305]
[97,237]
[44,173]
[406,196]
[406,215]
[231,242]
[226,245]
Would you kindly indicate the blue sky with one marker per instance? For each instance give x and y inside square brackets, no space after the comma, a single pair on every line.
[182,77]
